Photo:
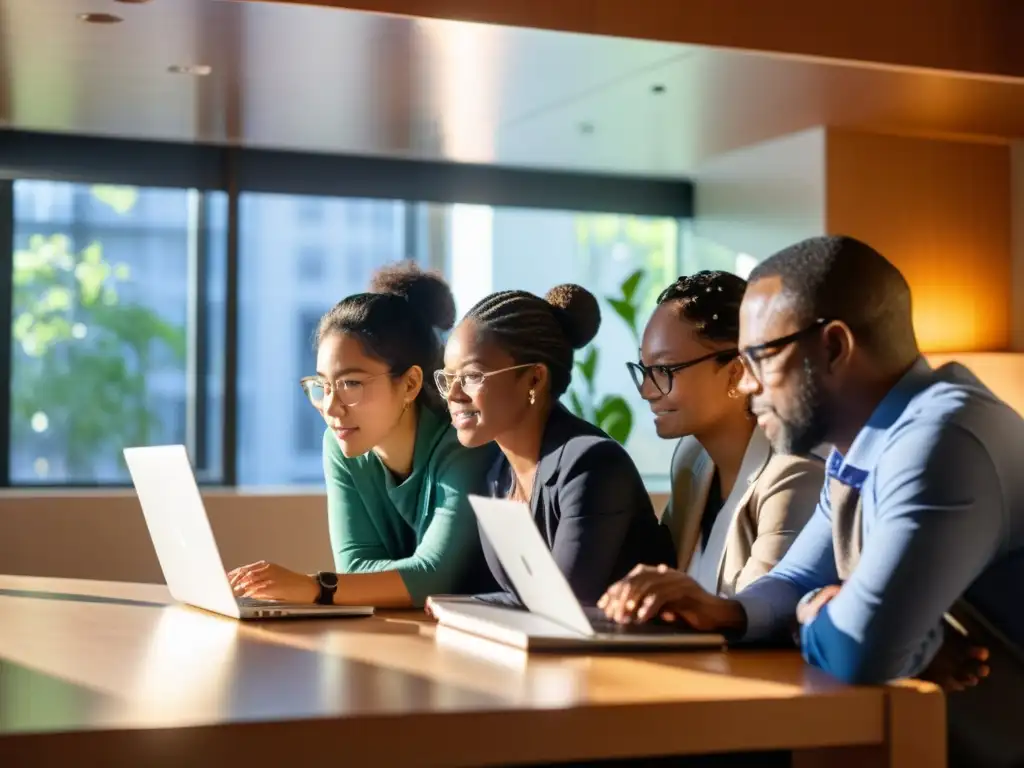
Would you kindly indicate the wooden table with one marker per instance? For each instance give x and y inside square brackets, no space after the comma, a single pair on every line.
[114,674]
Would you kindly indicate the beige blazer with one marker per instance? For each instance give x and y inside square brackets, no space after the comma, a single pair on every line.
[773,498]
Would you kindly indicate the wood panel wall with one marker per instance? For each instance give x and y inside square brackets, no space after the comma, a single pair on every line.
[941,211]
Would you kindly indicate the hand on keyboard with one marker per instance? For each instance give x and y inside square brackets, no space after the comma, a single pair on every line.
[268,581]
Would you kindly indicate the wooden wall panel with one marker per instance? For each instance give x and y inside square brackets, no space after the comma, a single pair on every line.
[941,211]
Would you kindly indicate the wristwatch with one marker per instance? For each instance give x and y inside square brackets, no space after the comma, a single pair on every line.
[328,583]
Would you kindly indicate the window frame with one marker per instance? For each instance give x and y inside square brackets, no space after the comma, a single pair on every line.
[234,170]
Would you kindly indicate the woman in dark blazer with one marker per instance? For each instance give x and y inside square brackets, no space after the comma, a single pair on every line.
[506,365]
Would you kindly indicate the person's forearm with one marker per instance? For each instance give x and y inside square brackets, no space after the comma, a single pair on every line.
[730,617]
[383,589]
[769,606]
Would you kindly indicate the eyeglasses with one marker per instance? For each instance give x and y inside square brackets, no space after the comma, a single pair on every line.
[755,355]
[348,391]
[661,375]
[470,381]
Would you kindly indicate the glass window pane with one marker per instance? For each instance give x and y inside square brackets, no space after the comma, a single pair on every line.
[480,249]
[517,248]
[298,256]
[102,323]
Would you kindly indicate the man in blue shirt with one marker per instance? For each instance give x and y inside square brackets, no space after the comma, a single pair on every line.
[924,499]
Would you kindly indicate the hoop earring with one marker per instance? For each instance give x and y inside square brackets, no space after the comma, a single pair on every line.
[533,396]
[733,393]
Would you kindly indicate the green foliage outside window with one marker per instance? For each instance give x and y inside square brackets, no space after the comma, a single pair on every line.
[82,352]
[651,242]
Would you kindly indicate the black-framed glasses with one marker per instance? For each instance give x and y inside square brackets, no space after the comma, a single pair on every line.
[347,391]
[662,375]
[754,355]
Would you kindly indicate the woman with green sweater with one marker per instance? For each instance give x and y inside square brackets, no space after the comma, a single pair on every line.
[397,478]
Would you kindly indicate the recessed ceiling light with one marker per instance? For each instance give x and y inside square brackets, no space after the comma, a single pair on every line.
[199,70]
[99,18]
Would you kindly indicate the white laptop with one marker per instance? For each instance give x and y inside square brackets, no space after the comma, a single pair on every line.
[554,618]
[184,541]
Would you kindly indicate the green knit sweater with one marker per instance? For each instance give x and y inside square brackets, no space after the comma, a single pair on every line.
[422,527]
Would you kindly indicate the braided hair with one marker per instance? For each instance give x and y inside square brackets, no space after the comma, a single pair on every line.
[398,321]
[535,330]
[710,300]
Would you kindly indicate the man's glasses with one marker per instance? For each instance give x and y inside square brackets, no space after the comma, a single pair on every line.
[662,375]
[470,381]
[755,355]
[347,391]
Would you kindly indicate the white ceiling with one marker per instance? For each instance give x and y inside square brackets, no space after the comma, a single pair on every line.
[328,80]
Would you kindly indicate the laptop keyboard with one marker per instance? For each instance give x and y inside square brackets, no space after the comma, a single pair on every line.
[606,626]
[601,623]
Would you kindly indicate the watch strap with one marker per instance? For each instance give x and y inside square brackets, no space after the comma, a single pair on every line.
[327,589]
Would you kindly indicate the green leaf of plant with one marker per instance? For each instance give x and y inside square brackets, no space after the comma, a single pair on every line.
[92,254]
[56,299]
[630,284]
[575,405]
[615,417]
[121,199]
[627,312]
[94,392]
[588,366]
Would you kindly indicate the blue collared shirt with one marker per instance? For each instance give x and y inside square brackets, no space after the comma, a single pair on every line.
[940,470]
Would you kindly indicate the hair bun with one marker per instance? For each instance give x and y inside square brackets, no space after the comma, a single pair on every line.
[579,313]
[426,292]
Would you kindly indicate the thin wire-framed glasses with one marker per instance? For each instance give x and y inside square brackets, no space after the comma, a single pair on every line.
[470,381]
[753,356]
[662,375]
[347,391]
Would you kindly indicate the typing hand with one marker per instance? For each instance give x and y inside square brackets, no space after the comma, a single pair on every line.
[267,581]
[662,592]
[958,665]
[428,608]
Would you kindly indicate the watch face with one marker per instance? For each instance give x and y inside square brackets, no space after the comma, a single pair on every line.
[328,579]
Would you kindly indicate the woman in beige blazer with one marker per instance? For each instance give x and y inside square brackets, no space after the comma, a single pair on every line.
[735,506]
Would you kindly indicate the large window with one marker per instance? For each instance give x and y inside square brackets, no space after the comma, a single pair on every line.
[279,434]
[104,325]
[169,294]
[624,260]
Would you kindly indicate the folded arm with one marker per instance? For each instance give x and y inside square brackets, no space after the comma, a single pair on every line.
[939,520]
[770,602]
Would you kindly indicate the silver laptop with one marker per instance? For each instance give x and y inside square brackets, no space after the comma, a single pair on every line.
[554,618]
[184,541]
